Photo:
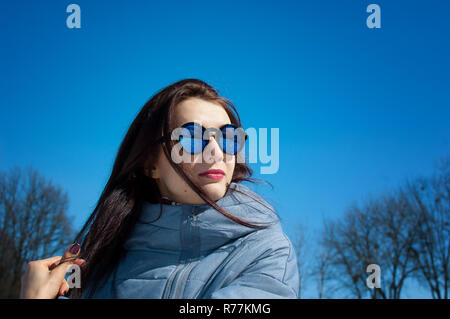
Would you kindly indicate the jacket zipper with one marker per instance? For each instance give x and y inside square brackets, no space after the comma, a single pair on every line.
[170,281]
[180,274]
[181,283]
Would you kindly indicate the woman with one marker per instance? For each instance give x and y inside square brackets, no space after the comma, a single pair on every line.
[174,220]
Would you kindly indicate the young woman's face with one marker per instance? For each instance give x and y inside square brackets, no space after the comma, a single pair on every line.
[173,186]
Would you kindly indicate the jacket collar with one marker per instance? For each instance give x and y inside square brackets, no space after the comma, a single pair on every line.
[199,227]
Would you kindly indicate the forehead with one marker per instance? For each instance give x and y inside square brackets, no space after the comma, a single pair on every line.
[206,113]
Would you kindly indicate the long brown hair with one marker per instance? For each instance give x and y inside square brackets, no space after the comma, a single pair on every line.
[128,187]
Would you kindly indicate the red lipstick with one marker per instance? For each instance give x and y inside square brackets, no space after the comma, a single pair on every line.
[216,174]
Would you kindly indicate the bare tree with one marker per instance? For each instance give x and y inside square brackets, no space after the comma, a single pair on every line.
[323,272]
[33,224]
[406,232]
[351,245]
[397,226]
[431,201]
[381,231]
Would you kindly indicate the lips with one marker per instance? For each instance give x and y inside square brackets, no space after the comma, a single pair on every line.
[216,174]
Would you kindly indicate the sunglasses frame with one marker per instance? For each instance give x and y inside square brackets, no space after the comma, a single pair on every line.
[185,125]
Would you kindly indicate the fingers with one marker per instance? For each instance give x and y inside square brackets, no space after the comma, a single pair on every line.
[45,262]
[73,251]
[50,260]
[78,261]
[69,255]
[64,285]
[64,288]
[59,271]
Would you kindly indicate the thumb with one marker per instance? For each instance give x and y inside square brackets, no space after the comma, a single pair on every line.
[66,261]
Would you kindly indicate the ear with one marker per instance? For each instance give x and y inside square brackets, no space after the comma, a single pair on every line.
[150,170]
[152,173]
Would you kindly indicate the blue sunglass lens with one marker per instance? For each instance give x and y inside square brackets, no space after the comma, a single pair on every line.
[191,139]
[232,142]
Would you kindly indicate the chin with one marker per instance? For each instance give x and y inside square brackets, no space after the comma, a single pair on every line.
[215,190]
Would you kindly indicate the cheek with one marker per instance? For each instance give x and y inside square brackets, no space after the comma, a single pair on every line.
[170,178]
[174,183]
[230,170]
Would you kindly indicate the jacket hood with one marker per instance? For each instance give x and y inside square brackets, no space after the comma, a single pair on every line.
[196,229]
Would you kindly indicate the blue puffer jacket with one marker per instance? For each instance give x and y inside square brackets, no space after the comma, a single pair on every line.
[193,251]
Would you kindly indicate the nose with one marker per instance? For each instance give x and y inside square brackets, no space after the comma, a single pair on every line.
[213,151]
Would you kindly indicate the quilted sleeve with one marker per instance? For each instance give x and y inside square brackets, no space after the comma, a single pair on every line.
[273,275]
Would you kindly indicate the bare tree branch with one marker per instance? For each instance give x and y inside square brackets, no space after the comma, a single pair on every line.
[33,224]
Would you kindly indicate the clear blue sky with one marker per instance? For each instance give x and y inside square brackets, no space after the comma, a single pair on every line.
[359,110]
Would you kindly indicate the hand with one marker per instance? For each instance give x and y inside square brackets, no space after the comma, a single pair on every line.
[44,279]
